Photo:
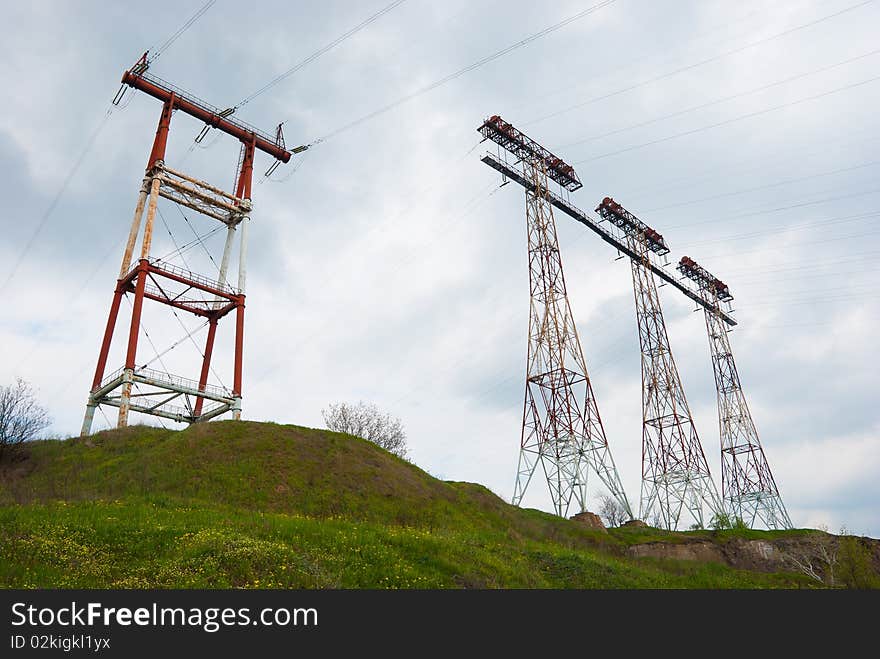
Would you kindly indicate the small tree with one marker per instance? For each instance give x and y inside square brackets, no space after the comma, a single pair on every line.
[611,510]
[22,418]
[720,522]
[364,420]
[816,555]
[855,567]
[726,522]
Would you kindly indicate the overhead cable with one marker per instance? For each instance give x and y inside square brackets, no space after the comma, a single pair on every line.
[723,99]
[311,58]
[728,121]
[157,52]
[54,203]
[697,64]
[460,72]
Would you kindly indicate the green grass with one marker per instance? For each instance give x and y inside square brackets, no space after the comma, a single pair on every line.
[142,544]
[260,505]
[637,535]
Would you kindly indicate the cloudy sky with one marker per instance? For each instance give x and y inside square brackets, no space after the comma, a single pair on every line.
[387,266]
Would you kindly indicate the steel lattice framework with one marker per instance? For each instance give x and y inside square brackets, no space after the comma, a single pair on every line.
[159,393]
[675,474]
[562,429]
[747,484]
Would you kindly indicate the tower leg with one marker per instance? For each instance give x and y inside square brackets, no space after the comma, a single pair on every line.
[114,307]
[524,471]
[227,250]
[135,227]
[242,257]
[239,349]
[125,398]
[87,420]
[102,357]
[565,469]
[133,333]
[206,365]
[239,310]
[151,216]
[530,451]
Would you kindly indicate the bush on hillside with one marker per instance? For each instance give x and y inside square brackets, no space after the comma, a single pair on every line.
[22,418]
[364,420]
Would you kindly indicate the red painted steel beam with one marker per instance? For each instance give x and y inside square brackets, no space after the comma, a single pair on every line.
[108,335]
[180,305]
[127,282]
[243,190]
[192,283]
[161,139]
[211,118]
[206,365]
[239,346]
[131,353]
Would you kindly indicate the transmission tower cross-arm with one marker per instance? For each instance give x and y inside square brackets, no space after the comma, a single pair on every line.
[140,79]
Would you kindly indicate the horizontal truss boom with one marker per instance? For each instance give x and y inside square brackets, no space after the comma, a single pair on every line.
[569,209]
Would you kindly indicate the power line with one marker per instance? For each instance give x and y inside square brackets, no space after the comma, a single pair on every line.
[596,366]
[188,335]
[723,99]
[106,420]
[797,156]
[846,275]
[157,52]
[813,265]
[452,76]
[456,216]
[70,299]
[88,147]
[541,97]
[697,64]
[792,245]
[289,175]
[728,121]
[64,185]
[786,229]
[191,244]
[786,325]
[593,367]
[778,209]
[801,292]
[469,207]
[143,329]
[198,238]
[813,301]
[311,58]
[775,184]
[173,310]
[779,228]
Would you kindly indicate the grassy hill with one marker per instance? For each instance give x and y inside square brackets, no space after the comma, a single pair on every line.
[260,505]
